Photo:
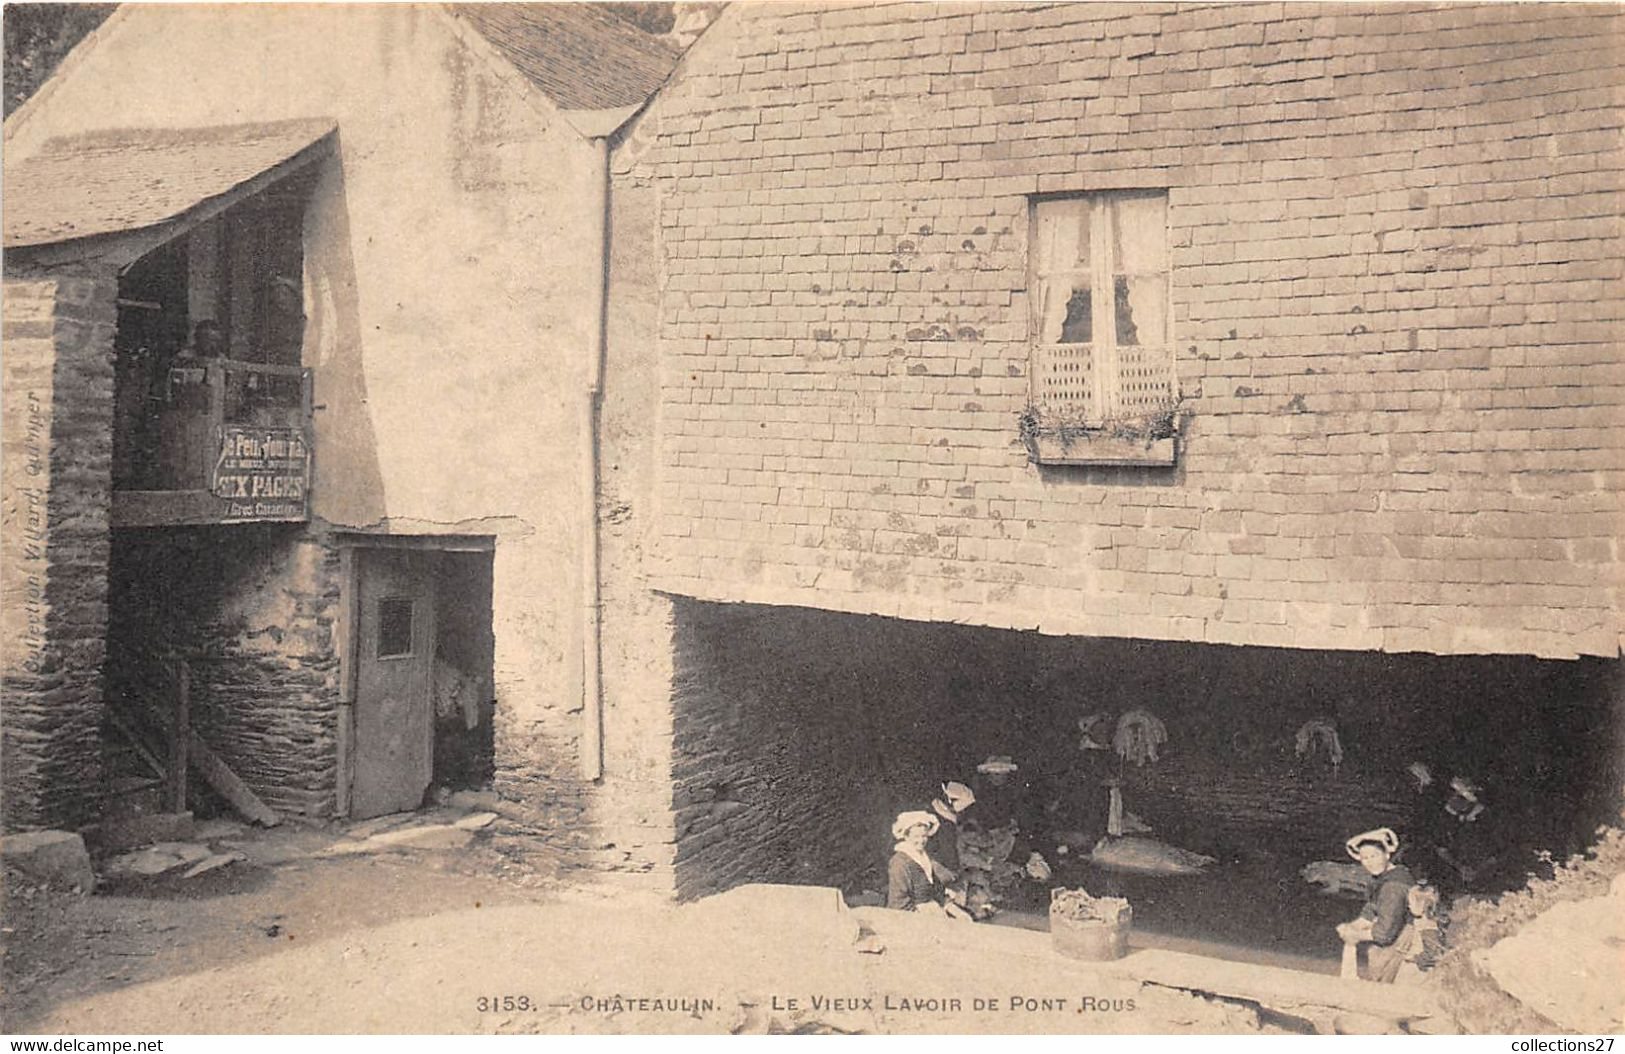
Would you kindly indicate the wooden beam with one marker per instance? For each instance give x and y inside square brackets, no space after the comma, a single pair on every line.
[216,773]
[344,635]
[175,508]
[132,737]
[443,543]
[226,782]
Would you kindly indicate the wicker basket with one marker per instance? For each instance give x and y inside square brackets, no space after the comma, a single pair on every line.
[1092,941]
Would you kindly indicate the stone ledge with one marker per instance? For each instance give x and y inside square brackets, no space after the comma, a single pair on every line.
[1289,991]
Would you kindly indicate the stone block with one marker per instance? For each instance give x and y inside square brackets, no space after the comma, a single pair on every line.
[1565,964]
[53,858]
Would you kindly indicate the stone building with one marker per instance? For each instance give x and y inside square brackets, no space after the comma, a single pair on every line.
[882,483]
[1374,252]
[388,215]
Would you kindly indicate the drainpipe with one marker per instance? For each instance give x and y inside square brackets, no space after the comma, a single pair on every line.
[592,703]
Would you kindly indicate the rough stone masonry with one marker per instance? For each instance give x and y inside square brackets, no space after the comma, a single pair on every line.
[57,489]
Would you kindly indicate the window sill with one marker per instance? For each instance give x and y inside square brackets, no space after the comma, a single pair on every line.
[1100,450]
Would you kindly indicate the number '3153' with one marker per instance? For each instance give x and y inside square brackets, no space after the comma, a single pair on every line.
[503,1003]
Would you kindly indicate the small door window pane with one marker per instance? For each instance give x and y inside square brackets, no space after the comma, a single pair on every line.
[394,627]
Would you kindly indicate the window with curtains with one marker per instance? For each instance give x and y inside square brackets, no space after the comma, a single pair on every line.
[1102,343]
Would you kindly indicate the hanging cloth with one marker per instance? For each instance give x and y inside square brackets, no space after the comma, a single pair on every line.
[1114,813]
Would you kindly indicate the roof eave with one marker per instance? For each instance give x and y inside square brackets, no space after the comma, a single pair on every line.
[121,248]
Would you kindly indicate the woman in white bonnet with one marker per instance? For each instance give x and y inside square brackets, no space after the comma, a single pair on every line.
[915,882]
[1382,922]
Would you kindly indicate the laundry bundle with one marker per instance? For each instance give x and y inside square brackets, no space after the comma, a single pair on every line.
[1317,736]
[1139,734]
[1077,905]
[1147,856]
[1337,879]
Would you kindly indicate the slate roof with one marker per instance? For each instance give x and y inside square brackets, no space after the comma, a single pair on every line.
[579,55]
[127,179]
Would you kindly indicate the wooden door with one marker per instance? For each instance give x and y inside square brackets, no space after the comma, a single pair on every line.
[394,717]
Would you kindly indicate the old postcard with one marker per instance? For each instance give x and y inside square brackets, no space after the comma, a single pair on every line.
[1028,517]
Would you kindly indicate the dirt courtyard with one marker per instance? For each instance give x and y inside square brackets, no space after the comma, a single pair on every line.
[475,939]
[60,948]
